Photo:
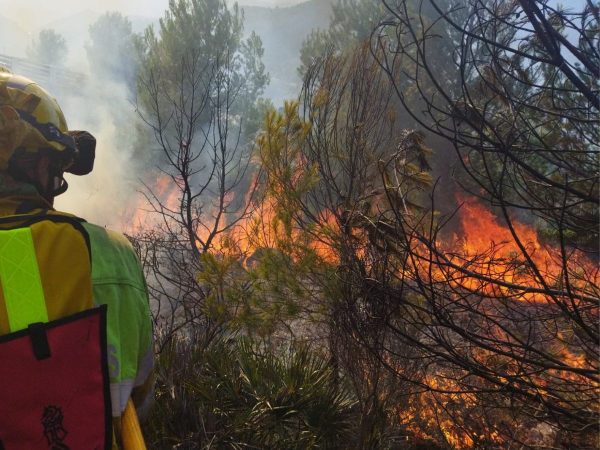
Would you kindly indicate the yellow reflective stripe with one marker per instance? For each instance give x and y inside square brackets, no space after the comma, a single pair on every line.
[21,282]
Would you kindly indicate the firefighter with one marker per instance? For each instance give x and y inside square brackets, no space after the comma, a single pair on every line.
[36,149]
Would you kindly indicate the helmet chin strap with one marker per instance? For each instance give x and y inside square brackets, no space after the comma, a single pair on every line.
[48,180]
[59,186]
[56,185]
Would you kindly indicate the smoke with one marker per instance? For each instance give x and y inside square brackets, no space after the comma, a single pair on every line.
[32,15]
[108,196]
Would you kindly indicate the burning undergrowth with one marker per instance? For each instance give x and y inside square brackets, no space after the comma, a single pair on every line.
[490,295]
[469,326]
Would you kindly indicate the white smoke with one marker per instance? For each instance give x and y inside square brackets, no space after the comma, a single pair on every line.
[109,194]
[32,15]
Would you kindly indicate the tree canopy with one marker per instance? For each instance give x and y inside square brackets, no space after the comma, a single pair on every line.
[204,35]
[110,50]
[48,48]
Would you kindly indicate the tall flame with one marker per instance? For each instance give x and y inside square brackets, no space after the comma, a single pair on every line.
[510,263]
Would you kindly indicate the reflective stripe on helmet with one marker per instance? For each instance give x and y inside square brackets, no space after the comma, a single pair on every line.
[18,82]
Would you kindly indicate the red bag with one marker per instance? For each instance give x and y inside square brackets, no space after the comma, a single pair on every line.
[54,385]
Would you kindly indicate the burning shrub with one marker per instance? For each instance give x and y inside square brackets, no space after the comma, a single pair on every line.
[512,321]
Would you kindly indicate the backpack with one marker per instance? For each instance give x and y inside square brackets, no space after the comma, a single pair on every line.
[54,381]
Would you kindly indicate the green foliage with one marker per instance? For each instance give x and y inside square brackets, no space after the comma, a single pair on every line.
[49,48]
[234,393]
[205,26]
[265,289]
[352,22]
[222,275]
[204,36]
[280,146]
[198,72]
[254,118]
[111,51]
[317,43]
[552,144]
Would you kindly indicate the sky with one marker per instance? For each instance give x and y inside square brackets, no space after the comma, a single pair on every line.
[33,14]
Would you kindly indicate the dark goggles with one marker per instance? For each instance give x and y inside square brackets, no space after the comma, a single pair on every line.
[85,152]
[81,143]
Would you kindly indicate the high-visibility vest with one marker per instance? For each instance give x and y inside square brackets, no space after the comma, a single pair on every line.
[54,383]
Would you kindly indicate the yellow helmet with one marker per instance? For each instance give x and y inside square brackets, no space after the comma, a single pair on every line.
[31,123]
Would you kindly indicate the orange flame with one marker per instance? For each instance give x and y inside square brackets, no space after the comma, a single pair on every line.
[511,263]
[487,260]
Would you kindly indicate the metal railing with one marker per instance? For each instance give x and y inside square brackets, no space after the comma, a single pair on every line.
[44,74]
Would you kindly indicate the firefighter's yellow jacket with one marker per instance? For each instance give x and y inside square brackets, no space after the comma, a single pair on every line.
[117,280]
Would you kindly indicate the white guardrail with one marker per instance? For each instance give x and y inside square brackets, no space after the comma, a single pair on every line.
[44,74]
